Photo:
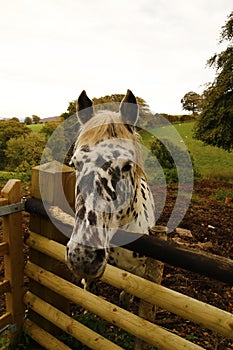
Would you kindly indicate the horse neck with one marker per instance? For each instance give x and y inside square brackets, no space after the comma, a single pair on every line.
[140,218]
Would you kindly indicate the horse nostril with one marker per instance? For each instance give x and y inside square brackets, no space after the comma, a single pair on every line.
[100,255]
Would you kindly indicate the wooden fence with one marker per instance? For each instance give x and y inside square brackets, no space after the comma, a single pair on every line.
[50,291]
[206,315]
[11,248]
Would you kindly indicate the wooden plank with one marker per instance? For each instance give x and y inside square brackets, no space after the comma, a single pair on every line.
[3,201]
[42,337]
[206,315]
[133,324]
[14,261]
[5,287]
[5,320]
[46,246]
[4,248]
[88,337]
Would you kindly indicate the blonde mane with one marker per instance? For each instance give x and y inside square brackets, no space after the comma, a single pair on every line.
[106,125]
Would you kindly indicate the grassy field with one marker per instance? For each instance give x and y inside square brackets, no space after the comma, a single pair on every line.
[36,127]
[212,162]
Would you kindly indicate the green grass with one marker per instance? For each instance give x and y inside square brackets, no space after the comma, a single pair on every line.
[221,195]
[7,175]
[35,127]
[4,341]
[208,158]
[23,342]
[212,162]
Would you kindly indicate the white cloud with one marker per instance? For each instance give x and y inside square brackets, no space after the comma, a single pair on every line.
[51,50]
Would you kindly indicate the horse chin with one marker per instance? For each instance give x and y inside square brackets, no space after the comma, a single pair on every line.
[89,274]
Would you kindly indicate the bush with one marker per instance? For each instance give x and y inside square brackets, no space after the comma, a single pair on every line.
[24,152]
[48,128]
[5,176]
[10,129]
[163,152]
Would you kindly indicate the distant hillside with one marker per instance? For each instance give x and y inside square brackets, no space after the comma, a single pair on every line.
[50,119]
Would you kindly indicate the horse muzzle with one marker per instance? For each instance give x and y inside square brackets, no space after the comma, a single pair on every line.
[86,262]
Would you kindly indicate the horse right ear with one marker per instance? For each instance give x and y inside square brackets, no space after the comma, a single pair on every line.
[85,108]
[129,108]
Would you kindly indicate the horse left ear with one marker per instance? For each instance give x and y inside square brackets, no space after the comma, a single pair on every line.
[129,108]
[85,107]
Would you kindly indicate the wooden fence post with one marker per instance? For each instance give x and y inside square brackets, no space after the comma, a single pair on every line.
[54,183]
[154,273]
[14,260]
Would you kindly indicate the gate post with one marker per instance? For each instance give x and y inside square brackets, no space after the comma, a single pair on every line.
[14,259]
[154,273]
[51,182]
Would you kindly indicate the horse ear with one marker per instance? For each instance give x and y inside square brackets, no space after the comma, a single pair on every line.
[129,108]
[84,107]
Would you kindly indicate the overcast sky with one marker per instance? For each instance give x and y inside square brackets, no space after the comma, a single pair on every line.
[50,50]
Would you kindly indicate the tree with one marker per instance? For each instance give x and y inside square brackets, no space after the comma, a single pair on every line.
[192,102]
[8,130]
[56,144]
[35,119]
[28,121]
[71,109]
[59,135]
[48,128]
[215,125]
[111,102]
[164,152]
[24,152]
[15,119]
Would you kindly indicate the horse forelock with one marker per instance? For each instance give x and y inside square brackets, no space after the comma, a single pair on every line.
[107,125]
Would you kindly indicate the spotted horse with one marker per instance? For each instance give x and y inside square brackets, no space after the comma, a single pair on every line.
[111,190]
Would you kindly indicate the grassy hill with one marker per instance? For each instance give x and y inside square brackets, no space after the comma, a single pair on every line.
[212,162]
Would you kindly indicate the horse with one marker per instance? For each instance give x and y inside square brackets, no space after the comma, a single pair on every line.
[111,193]
[111,190]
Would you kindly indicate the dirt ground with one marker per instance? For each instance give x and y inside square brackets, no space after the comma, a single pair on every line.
[210,222]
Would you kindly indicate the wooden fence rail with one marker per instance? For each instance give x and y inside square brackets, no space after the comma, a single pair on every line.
[45,339]
[4,248]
